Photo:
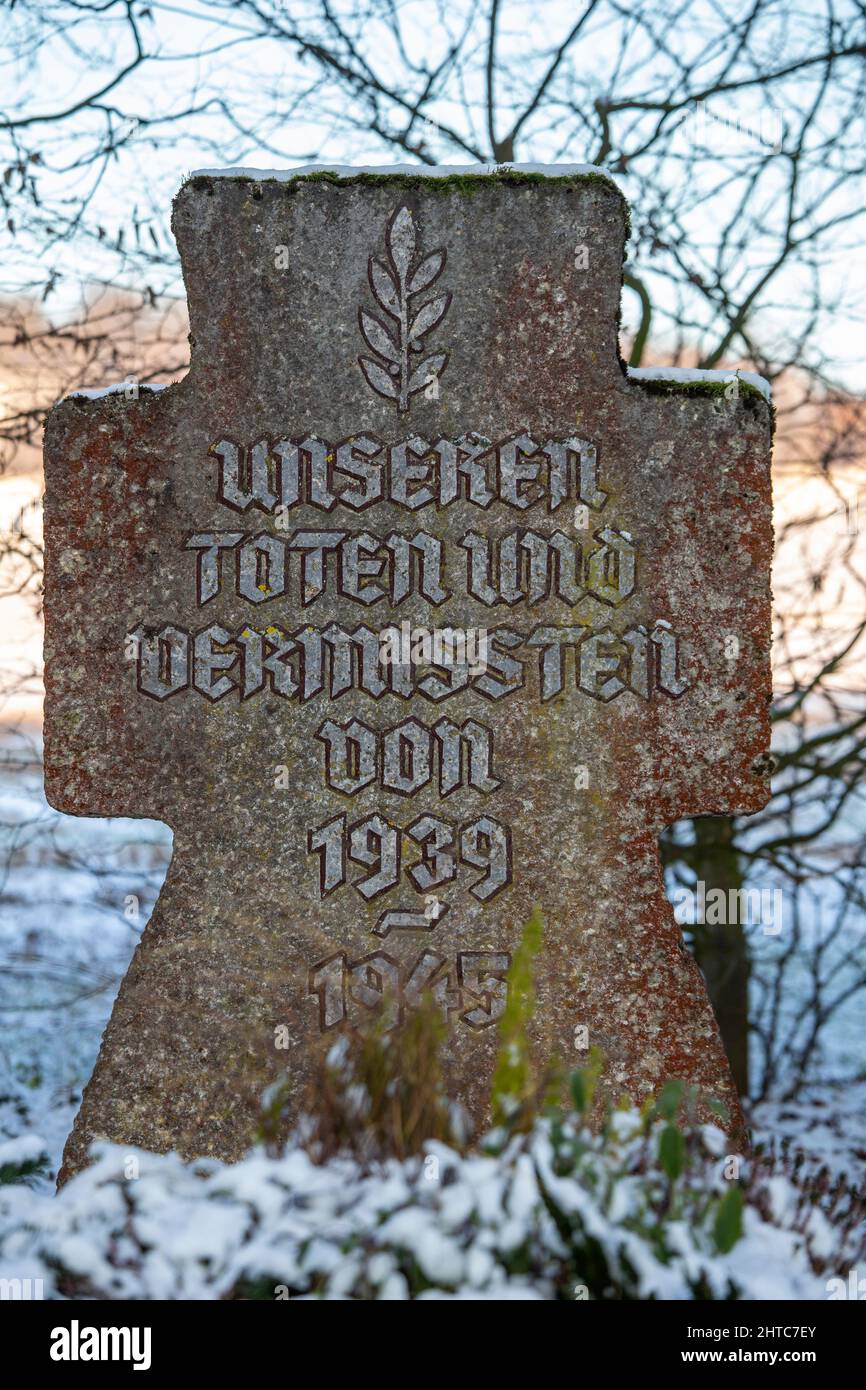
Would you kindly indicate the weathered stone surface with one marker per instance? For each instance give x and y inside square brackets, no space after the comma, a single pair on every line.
[285,904]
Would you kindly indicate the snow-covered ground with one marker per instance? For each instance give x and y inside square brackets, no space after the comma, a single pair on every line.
[74,898]
[826,1124]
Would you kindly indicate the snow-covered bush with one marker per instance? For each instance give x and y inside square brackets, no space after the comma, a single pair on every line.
[377,1195]
[641,1209]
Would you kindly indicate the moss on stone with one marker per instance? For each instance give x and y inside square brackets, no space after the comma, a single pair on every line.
[469,183]
[702,388]
[464,183]
[750,395]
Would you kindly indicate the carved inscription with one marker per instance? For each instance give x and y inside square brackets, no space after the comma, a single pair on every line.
[280,569]
[564,551]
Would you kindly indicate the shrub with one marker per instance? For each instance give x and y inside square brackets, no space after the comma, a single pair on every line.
[556,1212]
[378,1196]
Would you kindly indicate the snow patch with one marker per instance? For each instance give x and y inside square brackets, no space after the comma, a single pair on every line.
[426,171]
[688,375]
[24,1148]
[96,393]
[513,1223]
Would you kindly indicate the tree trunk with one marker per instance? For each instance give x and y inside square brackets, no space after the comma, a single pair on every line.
[722,950]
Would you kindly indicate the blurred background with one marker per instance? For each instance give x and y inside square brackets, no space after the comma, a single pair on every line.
[737,130]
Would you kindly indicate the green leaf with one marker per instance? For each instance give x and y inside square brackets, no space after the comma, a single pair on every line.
[577,1086]
[583,1083]
[719,1108]
[670,1099]
[672,1151]
[513,1076]
[728,1225]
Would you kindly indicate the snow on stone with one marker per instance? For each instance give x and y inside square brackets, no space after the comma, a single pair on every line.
[426,171]
[96,393]
[685,376]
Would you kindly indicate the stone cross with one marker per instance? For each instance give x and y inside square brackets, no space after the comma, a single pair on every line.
[407,609]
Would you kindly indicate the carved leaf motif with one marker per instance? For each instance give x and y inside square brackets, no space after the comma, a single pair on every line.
[395,281]
[378,337]
[384,287]
[426,371]
[380,380]
[428,316]
[426,272]
[401,241]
